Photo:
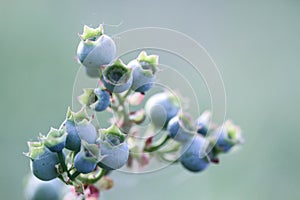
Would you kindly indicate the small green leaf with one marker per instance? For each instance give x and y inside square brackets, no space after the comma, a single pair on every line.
[88,97]
[91,33]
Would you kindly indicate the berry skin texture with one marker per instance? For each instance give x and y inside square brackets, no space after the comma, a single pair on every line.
[179,130]
[117,77]
[113,148]
[161,108]
[193,157]
[43,166]
[144,68]
[103,100]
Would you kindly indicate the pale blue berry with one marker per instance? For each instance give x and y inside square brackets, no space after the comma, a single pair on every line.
[113,148]
[117,77]
[202,123]
[86,160]
[227,136]
[87,132]
[95,49]
[79,127]
[161,108]
[194,156]
[180,129]
[144,68]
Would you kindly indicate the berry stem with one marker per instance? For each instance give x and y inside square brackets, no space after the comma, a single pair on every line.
[97,178]
[124,111]
[127,94]
[62,162]
[157,146]
[74,175]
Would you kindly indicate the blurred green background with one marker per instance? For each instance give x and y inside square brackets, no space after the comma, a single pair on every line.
[256,45]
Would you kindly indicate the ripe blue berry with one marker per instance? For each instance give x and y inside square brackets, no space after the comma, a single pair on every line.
[202,123]
[95,50]
[144,68]
[86,160]
[180,129]
[161,108]
[113,148]
[97,99]
[43,161]
[194,157]
[79,127]
[103,100]
[55,140]
[73,140]
[117,77]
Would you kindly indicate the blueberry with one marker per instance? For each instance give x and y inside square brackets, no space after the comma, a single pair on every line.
[43,161]
[202,123]
[144,68]
[161,108]
[179,128]
[193,156]
[86,160]
[117,77]
[95,49]
[113,148]
[227,136]
[87,132]
[73,140]
[103,100]
[79,127]
[55,140]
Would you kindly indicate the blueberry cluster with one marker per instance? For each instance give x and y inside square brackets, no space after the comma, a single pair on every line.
[200,141]
[82,155]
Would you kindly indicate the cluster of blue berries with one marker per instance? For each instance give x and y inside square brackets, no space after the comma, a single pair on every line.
[200,141]
[82,155]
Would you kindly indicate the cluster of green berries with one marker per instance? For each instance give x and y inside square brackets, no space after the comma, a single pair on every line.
[82,155]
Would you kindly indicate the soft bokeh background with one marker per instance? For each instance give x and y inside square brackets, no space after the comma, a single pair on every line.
[256,45]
